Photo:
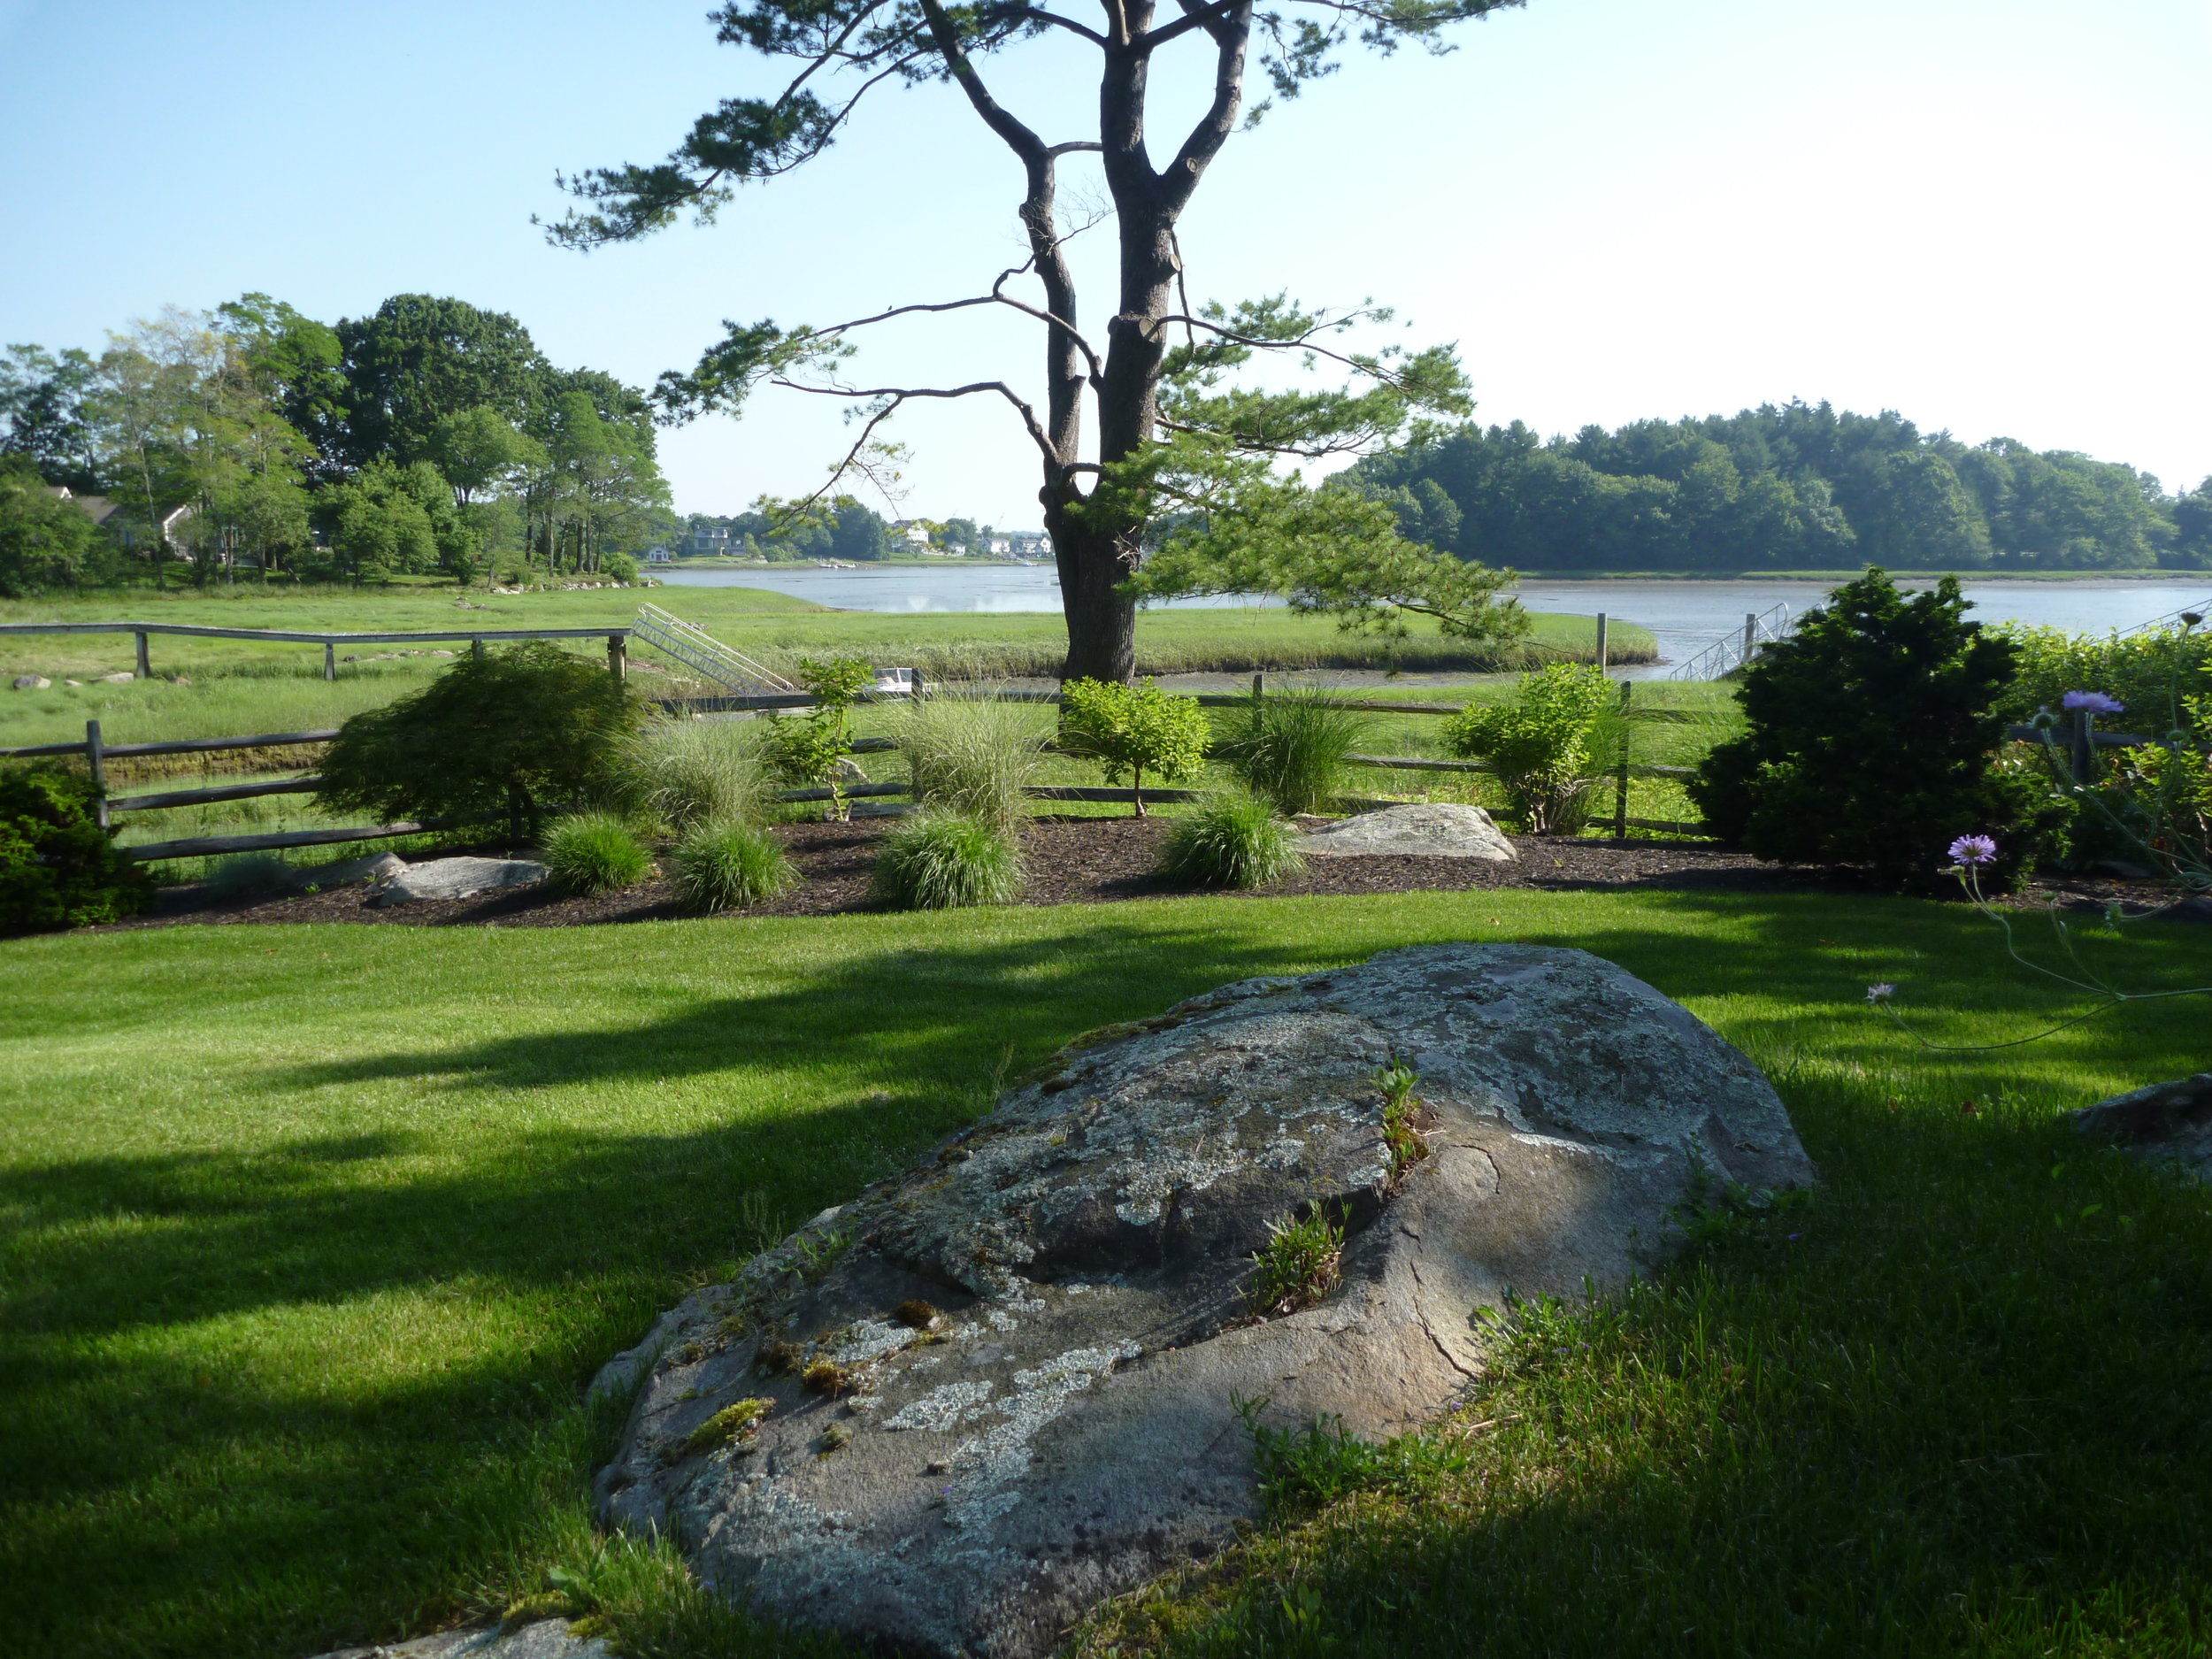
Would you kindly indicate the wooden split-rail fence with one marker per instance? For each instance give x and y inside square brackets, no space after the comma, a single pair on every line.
[2081,739]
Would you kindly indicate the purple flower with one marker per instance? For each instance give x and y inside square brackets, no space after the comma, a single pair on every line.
[1881,993]
[2095,701]
[1973,850]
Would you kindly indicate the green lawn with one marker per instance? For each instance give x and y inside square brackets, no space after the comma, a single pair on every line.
[312,1234]
[241,686]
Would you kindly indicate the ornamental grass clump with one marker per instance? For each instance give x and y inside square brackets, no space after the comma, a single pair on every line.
[1292,749]
[728,866]
[247,874]
[593,852]
[686,772]
[1236,841]
[944,862]
[972,757]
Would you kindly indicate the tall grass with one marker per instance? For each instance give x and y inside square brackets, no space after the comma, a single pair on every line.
[972,757]
[942,862]
[1236,841]
[1290,750]
[595,852]
[726,866]
[686,772]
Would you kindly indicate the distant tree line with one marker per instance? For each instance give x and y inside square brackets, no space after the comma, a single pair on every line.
[430,436]
[1800,487]
[844,529]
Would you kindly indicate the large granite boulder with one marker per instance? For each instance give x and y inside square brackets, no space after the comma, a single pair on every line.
[959,1410]
[540,1638]
[2163,1123]
[1422,829]
[458,878]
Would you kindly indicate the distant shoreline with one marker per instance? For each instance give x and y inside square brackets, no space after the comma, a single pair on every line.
[1852,575]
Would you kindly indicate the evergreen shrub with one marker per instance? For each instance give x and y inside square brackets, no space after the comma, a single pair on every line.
[57,867]
[1872,734]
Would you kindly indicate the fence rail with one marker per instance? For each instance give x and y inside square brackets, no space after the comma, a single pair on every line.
[616,636]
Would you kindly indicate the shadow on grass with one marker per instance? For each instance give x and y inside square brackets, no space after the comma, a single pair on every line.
[190,1465]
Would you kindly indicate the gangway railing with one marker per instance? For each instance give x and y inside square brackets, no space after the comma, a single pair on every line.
[691,645]
[1731,652]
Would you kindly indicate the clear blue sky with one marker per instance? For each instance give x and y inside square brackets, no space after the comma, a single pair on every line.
[1990,214]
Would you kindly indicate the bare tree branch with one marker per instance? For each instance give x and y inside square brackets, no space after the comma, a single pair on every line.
[903,394]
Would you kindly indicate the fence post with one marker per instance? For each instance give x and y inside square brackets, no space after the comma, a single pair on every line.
[1620,776]
[618,654]
[1601,641]
[1750,635]
[145,668]
[1259,687]
[96,752]
[330,660]
[2083,748]
[476,647]
[919,690]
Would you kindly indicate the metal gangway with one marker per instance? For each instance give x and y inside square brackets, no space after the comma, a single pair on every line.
[1732,650]
[691,645]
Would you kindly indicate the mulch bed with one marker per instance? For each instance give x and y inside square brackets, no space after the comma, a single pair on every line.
[1093,860]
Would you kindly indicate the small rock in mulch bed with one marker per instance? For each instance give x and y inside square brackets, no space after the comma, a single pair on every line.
[1083,861]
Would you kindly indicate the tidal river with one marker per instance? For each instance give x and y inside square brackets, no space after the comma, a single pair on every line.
[1685,616]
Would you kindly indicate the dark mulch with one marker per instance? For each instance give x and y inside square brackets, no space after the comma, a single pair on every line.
[1091,860]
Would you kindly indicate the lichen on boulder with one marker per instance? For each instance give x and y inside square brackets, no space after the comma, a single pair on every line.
[1040,1337]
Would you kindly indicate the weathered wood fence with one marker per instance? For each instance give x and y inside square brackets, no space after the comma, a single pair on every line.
[2081,739]
[618,638]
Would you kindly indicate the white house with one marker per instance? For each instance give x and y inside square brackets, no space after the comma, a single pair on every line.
[657,556]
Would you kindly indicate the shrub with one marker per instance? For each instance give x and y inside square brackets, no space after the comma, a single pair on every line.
[1133,730]
[1291,749]
[2153,674]
[943,861]
[728,866]
[57,867]
[972,757]
[593,852]
[1870,738]
[685,772]
[1549,746]
[1238,841]
[517,731]
[247,874]
[809,753]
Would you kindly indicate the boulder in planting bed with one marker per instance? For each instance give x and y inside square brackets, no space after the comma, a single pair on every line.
[458,878]
[1427,829]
